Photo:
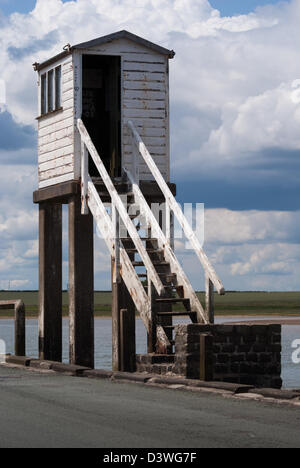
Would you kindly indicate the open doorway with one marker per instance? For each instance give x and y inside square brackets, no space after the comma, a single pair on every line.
[101,109]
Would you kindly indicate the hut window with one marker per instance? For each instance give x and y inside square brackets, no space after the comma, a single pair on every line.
[51,91]
[57,87]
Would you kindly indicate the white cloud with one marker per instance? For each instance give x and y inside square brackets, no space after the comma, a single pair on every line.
[232,88]
[237,227]
[248,246]
[236,72]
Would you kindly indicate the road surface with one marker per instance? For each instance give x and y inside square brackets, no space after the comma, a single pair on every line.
[49,410]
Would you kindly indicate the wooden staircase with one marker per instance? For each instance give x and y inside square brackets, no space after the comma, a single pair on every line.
[163,311]
[142,253]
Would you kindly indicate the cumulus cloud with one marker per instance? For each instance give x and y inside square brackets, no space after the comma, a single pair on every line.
[235,74]
[235,114]
[248,246]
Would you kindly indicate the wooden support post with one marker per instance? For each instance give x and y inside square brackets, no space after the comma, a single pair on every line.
[127,335]
[135,162]
[206,363]
[81,285]
[84,179]
[168,223]
[123,323]
[172,228]
[20,331]
[152,335]
[121,330]
[50,281]
[209,297]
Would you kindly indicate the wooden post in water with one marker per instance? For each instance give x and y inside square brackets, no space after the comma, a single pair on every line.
[123,329]
[209,297]
[20,330]
[81,285]
[50,281]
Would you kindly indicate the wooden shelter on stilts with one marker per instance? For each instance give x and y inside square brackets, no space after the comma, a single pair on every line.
[103,131]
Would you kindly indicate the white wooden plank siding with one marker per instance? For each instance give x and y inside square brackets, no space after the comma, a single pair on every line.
[56,135]
[145,101]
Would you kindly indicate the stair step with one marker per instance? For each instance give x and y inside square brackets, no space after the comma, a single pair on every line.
[175,314]
[149,239]
[171,300]
[149,251]
[167,286]
[155,263]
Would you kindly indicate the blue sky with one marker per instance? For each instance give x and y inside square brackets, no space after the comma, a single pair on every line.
[20,6]
[234,7]
[235,119]
[226,7]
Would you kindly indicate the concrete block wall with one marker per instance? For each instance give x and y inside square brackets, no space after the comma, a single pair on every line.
[245,354]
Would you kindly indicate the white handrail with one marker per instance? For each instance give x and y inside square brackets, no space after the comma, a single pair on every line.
[173,206]
[169,255]
[117,202]
[128,273]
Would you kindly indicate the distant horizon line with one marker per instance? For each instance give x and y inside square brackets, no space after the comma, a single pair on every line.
[110,291]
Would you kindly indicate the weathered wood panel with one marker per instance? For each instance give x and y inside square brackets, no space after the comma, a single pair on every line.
[67,169]
[55,119]
[56,135]
[55,145]
[142,113]
[144,95]
[145,101]
[147,123]
[140,104]
[56,126]
[58,162]
[56,154]
[144,85]
[142,67]
[148,140]
[57,180]
[144,76]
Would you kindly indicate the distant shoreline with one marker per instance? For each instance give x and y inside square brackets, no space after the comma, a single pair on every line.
[235,317]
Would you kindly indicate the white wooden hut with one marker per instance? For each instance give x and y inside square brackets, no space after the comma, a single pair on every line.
[104,111]
[105,82]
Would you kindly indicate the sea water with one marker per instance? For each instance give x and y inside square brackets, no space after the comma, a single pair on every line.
[103,343]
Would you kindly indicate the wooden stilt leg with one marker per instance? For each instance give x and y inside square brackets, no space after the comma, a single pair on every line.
[50,280]
[81,285]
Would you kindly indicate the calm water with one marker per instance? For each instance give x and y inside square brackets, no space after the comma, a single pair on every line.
[290,371]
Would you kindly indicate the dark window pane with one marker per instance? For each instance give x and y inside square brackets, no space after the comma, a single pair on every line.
[57,87]
[50,91]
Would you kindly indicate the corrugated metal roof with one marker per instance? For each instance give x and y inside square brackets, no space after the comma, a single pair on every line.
[105,39]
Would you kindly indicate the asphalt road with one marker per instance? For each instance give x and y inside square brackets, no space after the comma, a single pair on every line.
[46,410]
